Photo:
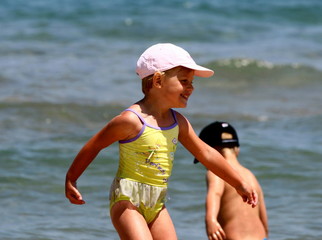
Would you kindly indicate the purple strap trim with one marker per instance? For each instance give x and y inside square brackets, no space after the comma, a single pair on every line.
[142,129]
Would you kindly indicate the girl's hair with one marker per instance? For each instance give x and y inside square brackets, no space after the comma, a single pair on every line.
[147,84]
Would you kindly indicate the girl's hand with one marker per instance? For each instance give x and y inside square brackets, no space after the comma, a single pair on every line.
[248,194]
[72,193]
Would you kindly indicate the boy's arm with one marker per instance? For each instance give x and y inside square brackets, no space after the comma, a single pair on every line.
[121,127]
[214,161]
[263,212]
[215,187]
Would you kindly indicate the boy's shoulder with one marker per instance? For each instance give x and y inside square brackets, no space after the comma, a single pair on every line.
[249,176]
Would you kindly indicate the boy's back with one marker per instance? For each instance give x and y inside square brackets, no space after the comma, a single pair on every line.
[238,220]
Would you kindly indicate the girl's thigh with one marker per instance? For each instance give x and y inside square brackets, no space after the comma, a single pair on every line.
[128,222]
[162,227]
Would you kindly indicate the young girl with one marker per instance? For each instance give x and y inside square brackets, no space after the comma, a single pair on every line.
[148,133]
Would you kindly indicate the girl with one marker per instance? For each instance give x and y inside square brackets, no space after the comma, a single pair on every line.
[148,133]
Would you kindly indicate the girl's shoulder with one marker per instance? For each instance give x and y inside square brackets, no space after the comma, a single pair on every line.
[130,116]
[124,126]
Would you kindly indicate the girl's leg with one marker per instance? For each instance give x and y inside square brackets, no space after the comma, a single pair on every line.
[162,227]
[128,222]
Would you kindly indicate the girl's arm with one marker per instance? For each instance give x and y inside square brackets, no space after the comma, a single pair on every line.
[121,127]
[214,161]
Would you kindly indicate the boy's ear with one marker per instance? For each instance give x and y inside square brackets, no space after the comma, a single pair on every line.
[157,79]
[237,149]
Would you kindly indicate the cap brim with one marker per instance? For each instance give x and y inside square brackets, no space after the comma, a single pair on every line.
[200,71]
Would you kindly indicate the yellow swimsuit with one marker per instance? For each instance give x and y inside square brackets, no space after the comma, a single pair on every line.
[145,166]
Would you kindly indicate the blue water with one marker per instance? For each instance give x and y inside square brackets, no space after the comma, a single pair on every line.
[67,67]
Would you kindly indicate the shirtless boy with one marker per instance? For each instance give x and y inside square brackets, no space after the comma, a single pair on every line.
[226,215]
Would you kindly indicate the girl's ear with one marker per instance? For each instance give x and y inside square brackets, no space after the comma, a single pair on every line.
[157,79]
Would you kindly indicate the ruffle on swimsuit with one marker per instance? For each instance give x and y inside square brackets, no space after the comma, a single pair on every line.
[137,193]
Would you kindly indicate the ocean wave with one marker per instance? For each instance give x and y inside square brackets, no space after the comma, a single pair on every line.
[252,71]
[47,113]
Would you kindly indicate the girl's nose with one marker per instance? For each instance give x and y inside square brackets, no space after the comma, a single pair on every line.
[190,86]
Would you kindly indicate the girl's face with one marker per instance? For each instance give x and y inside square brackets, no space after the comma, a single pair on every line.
[178,86]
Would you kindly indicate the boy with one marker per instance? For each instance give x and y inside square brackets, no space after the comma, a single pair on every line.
[226,216]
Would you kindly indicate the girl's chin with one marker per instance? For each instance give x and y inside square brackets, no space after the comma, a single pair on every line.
[182,105]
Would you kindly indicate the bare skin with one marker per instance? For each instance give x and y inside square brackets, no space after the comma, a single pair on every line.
[168,91]
[131,225]
[226,216]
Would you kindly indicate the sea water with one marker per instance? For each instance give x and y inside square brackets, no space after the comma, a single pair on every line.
[67,67]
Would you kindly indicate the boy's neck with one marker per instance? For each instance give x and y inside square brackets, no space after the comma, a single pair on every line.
[231,156]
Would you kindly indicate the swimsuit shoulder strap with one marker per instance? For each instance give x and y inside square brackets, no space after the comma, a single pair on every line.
[137,114]
[174,115]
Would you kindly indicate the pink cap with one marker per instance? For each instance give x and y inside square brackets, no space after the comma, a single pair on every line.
[164,56]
